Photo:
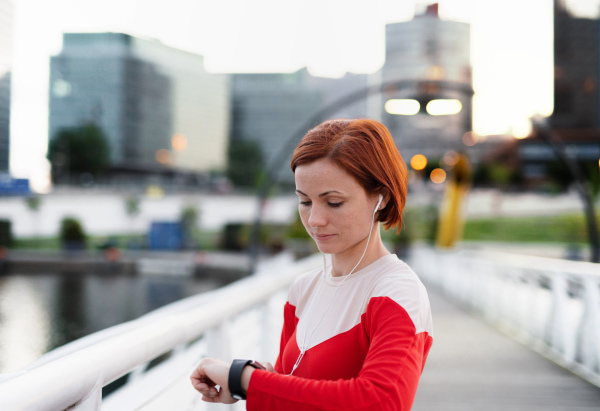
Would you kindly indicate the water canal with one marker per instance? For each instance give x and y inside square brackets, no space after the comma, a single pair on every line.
[39,312]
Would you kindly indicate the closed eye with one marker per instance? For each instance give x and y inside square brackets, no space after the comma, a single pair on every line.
[335,205]
[305,203]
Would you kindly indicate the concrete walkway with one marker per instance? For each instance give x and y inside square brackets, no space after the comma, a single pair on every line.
[473,366]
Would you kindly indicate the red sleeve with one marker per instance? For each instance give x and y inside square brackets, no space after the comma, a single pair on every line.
[289,326]
[387,380]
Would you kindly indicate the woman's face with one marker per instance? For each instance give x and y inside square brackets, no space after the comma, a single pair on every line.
[335,209]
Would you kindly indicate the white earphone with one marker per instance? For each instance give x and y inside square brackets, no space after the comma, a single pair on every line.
[304,345]
[379,202]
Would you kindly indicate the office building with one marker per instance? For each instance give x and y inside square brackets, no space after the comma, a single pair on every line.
[433,56]
[6,46]
[156,104]
[576,70]
[275,109]
[575,120]
[268,108]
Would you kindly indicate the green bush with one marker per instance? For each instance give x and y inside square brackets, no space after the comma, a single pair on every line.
[6,238]
[72,236]
[235,237]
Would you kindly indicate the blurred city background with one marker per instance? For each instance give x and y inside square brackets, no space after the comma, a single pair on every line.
[144,146]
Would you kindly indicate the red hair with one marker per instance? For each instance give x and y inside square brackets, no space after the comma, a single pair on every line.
[365,149]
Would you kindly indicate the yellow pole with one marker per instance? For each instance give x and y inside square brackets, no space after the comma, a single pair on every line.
[451,223]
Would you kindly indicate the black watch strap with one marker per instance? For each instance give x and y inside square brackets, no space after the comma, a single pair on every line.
[235,378]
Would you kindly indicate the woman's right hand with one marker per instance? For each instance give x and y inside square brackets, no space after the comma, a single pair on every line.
[210,378]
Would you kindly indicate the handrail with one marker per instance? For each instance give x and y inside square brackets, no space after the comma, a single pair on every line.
[550,305]
[76,375]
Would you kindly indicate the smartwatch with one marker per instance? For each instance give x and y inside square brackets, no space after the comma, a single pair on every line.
[235,377]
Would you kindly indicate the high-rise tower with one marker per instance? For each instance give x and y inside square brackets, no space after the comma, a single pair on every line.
[6,44]
[426,50]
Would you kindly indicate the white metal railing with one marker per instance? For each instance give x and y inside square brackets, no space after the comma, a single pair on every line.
[72,377]
[551,305]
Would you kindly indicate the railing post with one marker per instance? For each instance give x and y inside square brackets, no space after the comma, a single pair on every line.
[530,321]
[493,292]
[521,300]
[266,327]
[588,341]
[219,346]
[556,332]
[91,402]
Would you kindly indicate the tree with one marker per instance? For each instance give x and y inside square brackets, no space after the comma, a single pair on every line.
[34,203]
[132,208]
[245,163]
[189,224]
[78,153]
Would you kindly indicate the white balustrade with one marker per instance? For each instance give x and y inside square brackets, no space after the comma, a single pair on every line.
[216,323]
[549,304]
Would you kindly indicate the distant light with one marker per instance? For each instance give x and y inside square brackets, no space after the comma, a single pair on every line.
[163,156]
[438,176]
[451,158]
[436,73]
[469,139]
[444,107]
[522,129]
[61,88]
[418,162]
[154,191]
[179,142]
[403,107]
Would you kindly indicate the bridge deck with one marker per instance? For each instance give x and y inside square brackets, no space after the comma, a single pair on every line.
[472,366]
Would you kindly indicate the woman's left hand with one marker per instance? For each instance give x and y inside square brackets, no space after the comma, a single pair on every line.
[207,375]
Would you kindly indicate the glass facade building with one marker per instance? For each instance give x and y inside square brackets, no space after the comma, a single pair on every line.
[140,93]
[268,108]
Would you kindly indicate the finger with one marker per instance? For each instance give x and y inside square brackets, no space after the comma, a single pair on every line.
[206,381]
[206,390]
[202,380]
[202,387]
[268,366]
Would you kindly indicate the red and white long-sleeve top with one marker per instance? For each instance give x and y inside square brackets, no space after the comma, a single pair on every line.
[366,342]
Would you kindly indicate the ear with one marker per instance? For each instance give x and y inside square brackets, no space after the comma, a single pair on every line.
[385,193]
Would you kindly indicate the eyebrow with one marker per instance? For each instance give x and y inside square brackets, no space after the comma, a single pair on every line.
[322,194]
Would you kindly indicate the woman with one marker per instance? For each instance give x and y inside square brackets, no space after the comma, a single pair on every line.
[356,334]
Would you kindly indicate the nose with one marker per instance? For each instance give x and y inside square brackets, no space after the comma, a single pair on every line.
[317,217]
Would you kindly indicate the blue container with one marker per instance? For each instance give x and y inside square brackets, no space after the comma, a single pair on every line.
[14,186]
[166,236]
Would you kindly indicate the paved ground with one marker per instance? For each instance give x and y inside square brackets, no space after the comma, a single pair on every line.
[472,366]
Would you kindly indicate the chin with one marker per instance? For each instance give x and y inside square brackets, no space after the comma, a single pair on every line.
[327,248]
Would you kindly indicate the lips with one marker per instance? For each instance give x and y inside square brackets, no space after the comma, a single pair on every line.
[323,237]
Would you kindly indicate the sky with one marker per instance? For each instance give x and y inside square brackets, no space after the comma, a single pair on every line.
[511,49]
